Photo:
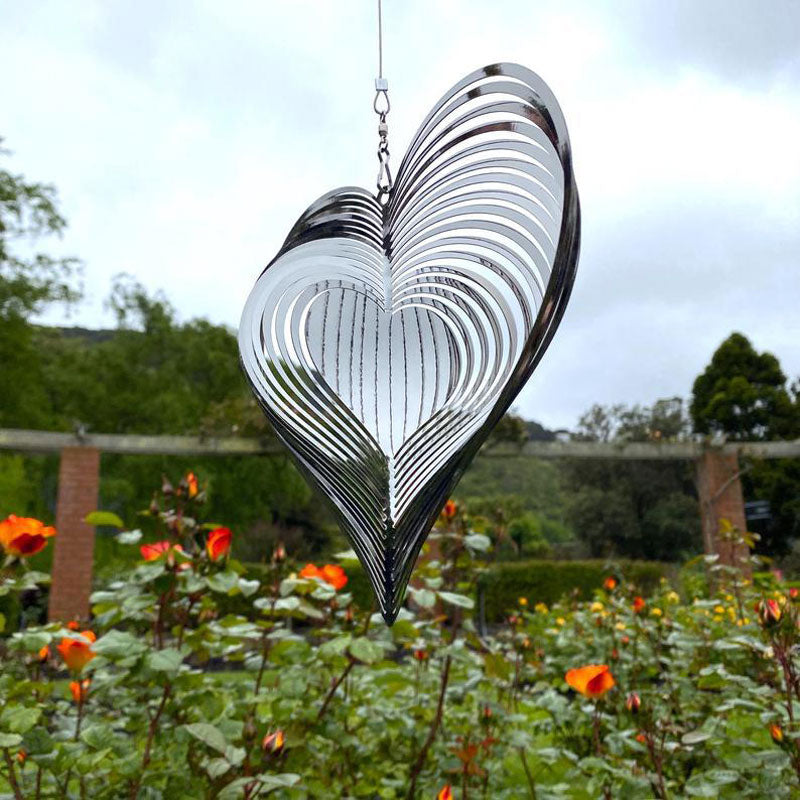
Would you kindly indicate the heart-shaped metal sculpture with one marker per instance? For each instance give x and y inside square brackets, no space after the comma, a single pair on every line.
[384,342]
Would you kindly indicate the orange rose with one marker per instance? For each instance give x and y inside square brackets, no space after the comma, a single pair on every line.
[79,689]
[610,583]
[24,536]
[633,702]
[218,544]
[638,604]
[334,575]
[331,573]
[44,654]
[420,654]
[311,571]
[191,484]
[76,652]
[776,733]
[74,625]
[593,680]
[446,793]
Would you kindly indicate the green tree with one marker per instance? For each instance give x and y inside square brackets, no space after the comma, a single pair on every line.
[28,285]
[745,395]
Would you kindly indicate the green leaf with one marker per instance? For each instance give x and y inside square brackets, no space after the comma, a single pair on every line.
[104,518]
[460,600]
[118,644]
[18,719]
[478,542]
[497,666]
[167,660]
[224,582]
[10,739]
[248,587]
[209,735]
[129,537]
[2,622]
[695,737]
[424,598]
[366,651]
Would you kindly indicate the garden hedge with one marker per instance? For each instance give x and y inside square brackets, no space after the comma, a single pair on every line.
[548,581]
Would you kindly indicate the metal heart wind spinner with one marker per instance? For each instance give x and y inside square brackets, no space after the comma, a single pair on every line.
[385,340]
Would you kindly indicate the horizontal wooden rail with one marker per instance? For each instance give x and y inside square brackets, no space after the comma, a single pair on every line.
[50,441]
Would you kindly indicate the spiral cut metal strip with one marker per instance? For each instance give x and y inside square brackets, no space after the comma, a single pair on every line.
[384,341]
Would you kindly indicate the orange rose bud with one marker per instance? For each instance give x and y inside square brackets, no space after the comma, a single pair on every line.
[446,793]
[421,654]
[769,612]
[641,737]
[794,593]
[21,756]
[610,583]
[24,536]
[279,554]
[191,485]
[152,552]
[776,733]
[638,604]
[44,654]
[450,510]
[80,689]
[218,544]
[593,680]
[334,575]
[74,625]
[76,652]
[273,743]
[633,703]
[625,639]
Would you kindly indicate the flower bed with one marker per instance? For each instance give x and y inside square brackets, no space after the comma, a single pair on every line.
[625,694]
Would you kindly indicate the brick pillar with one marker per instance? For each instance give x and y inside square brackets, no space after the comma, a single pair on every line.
[721,498]
[73,558]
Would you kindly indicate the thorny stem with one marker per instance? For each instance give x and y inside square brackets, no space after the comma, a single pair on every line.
[12,774]
[334,686]
[528,775]
[151,733]
[437,721]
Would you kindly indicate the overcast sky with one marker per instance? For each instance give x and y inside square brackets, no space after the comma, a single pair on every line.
[186,137]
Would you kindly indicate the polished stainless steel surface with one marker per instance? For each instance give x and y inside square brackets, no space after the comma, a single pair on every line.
[386,339]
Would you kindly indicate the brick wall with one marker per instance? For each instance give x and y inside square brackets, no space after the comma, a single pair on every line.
[78,483]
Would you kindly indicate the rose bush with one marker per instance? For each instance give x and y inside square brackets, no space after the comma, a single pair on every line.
[165,693]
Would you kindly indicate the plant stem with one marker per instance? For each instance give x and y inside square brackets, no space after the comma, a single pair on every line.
[437,721]
[334,686]
[528,775]
[12,774]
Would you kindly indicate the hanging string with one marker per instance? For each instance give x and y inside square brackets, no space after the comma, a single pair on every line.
[381,107]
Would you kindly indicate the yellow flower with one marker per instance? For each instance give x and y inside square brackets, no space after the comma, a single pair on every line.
[656,612]
[596,607]
[541,608]
[717,618]
[561,621]
[729,597]
[672,597]
[523,601]
[620,626]
[719,609]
